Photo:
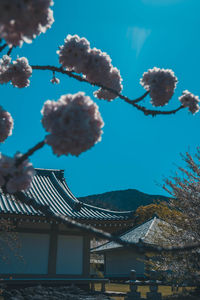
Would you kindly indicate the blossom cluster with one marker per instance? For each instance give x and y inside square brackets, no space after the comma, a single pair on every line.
[15,178]
[74,124]
[21,21]
[190,100]
[6,124]
[17,72]
[160,83]
[76,55]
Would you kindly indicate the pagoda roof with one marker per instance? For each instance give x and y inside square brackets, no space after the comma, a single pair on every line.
[50,188]
[150,233]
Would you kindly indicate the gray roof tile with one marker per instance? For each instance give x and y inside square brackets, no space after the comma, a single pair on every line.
[49,187]
[145,233]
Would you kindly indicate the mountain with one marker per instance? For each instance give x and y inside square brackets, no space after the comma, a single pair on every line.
[129,199]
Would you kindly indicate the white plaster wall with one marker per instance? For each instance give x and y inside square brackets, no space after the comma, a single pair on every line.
[69,255]
[122,262]
[29,257]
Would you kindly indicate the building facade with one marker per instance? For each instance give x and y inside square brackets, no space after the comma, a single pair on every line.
[45,248]
[120,260]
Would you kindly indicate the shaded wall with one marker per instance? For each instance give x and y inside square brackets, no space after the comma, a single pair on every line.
[45,250]
[119,263]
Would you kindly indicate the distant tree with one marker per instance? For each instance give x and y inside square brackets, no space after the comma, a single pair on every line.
[159,208]
[182,213]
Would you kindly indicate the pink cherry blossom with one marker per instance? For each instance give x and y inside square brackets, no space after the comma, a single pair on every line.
[74,124]
[100,70]
[113,81]
[5,69]
[190,100]
[21,21]
[73,54]
[161,84]
[21,71]
[98,65]
[6,124]
[17,72]
[76,55]
[14,178]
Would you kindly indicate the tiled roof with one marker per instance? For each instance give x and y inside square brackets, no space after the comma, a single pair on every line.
[145,233]
[49,187]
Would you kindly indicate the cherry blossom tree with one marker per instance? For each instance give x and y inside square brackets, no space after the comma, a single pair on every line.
[182,216]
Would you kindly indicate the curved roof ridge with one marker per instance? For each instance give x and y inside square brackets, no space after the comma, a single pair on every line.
[66,187]
[50,170]
[135,227]
[149,228]
[61,189]
[50,187]
[73,198]
[126,236]
[126,212]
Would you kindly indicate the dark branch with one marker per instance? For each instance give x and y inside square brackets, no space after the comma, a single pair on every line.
[30,152]
[146,111]
[141,98]
[10,50]
[153,113]
[3,47]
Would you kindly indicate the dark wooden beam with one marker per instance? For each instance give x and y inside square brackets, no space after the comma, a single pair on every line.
[53,245]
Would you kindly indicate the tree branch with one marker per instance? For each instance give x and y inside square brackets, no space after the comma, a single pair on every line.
[140,98]
[30,152]
[154,113]
[10,50]
[146,111]
[3,47]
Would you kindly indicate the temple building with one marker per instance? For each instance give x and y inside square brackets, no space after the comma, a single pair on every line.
[46,248]
[120,260]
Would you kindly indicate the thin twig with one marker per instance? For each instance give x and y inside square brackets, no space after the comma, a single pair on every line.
[10,50]
[146,111]
[30,152]
[45,209]
[141,98]
[153,113]
[3,47]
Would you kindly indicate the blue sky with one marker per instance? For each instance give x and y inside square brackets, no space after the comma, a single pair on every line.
[136,151]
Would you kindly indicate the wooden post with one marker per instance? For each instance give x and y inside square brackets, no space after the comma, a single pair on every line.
[53,244]
[133,294]
[153,294]
[92,287]
[103,287]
